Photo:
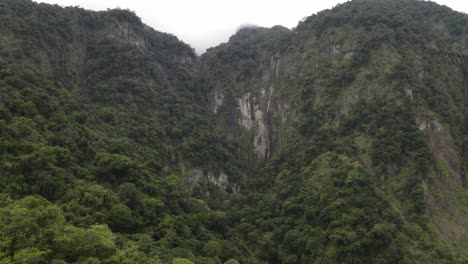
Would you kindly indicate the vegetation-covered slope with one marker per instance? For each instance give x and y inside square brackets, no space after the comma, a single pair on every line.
[99,116]
[367,113]
[341,141]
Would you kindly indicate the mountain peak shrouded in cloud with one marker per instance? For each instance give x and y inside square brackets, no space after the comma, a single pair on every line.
[207,23]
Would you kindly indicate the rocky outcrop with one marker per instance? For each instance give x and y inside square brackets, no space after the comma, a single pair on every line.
[127,32]
[442,146]
[244,89]
[196,177]
[216,101]
[440,198]
[256,110]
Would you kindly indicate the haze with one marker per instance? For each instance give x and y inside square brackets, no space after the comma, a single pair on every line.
[207,23]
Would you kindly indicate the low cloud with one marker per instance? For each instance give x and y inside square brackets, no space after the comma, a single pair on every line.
[207,23]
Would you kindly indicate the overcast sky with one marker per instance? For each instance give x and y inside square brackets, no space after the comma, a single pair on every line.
[206,23]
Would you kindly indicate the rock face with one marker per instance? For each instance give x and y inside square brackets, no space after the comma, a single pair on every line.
[256,111]
[246,99]
[216,102]
[442,206]
[128,33]
[197,178]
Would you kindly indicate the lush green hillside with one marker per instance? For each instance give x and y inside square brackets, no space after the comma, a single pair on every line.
[100,117]
[344,140]
[367,111]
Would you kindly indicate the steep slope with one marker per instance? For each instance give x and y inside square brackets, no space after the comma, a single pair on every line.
[343,140]
[369,164]
[103,117]
[242,76]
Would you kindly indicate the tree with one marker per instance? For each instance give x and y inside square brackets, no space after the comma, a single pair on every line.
[30,256]
[181,261]
[120,219]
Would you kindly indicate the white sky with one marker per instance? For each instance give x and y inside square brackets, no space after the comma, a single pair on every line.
[206,23]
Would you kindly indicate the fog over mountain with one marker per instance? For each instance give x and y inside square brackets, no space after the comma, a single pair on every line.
[207,23]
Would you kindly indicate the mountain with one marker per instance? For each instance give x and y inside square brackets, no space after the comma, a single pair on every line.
[343,140]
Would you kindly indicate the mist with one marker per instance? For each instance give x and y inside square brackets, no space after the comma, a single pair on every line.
[207,23]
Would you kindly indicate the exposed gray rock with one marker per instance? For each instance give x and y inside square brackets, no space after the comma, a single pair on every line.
[125,31]
[197,176]
[217,101]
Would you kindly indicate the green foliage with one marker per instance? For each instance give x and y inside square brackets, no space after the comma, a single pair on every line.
[120,218]
[79,244]
[102,121]
[29,223]
[354,170]
[181,261]
[35,231]
[231,261]
[212,249]
[30,256]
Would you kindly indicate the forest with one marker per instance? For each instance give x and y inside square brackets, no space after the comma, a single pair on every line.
[342,140]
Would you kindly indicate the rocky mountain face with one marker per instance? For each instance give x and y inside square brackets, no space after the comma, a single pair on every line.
[243,76]
[372,90]
[343,140]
